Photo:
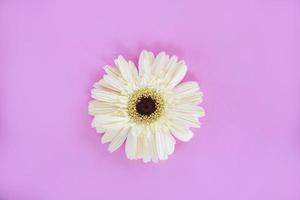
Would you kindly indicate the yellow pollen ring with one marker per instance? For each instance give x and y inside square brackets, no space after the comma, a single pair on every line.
[135,98]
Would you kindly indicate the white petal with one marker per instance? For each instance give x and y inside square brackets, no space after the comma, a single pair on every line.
[187,87]
[112,71]
[139,147]
[160,64]
[107,96]
[102,108]
[184,120]
[114,83]
[102,84]
[109,122]
[190,109]
[99,128]
[118,140]
[176,73]
[133,68]
[165,144]
[171,67]
[109,136]
[182,134]
[131,145]
[170,143]
[146,149]
[124,68]
[98,83]
[136,132]
[113,79]
[145,62]
[188,92]
[154,154]
[160,145]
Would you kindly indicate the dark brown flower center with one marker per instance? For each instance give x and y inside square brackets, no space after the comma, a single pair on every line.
[146,106]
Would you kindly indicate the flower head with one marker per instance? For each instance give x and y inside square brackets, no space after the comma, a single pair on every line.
[146,107]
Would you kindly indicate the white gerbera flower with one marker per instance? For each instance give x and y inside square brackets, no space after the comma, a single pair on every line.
[147,107]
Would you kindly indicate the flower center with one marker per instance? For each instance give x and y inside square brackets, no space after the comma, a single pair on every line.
[145,106]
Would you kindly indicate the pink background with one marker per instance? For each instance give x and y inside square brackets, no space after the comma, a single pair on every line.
[245,54]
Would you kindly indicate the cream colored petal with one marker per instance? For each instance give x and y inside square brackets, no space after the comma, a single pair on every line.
[116,84]
[136,132]
[108,96]
[112,71]
[195,98]
[187,87]
[133,69]
[145,62]
[181,133]
[113,79]
[160,64]
[124,68]
[146,149]
[103,108]
[165,144]
[96,123]
[139,148]
[170,143]
[188,92]
[189,109]
[189,120]
[175,74]
[171,68]
[109,122]
[184,120]
[98,83]
[131,146]
[152,142]
[134,78]
[154,154]
[99,129]
[109,135]
[118,140]
[160,145]
[103,84]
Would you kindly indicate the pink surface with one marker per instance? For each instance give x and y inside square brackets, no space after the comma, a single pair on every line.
[245,54]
